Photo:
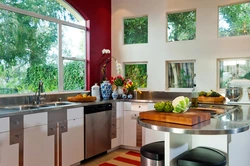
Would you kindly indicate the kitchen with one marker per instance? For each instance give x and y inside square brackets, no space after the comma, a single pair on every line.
[205,50]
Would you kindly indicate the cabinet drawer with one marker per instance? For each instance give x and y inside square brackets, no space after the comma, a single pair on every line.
[127,106]
[37,119]
[139,106]
[74,113]
[4,124]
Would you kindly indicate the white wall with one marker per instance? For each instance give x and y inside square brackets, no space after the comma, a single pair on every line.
[205,49]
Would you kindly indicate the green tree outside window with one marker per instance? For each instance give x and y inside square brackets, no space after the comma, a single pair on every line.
[181,26]
[136,30]
[234,20]
[137,73]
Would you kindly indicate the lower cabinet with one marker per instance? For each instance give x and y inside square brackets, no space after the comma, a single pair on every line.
[9,154]
[130,126]
[38,147]
[53,138]
[73,142]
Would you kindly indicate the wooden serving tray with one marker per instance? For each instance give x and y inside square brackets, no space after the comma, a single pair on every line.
[203,99]
[187,118]
[82,99]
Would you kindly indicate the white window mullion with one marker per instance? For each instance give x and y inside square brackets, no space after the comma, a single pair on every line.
[60,59]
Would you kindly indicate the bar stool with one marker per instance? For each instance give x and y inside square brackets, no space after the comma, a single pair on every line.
[202,156]
[152,154]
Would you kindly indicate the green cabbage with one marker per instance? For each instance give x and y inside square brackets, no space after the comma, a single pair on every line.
[159,106]
[180,104]
[168,106]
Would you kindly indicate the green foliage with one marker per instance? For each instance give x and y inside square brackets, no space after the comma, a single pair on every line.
[180,75]
[181,26]
[136,30]
[74,75]
[47,73]
[137,73]
[26,46]
[234,20]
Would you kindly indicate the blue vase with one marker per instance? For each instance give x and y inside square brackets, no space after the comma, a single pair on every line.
[115,94]
[106,90]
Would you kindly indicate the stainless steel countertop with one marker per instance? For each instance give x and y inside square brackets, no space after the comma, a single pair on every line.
[232,122]
[46,109]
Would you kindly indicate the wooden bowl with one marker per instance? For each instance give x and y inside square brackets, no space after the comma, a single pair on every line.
[203,99]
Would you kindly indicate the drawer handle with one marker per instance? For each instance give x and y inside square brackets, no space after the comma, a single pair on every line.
[17,122]
[139,106]
[17,136]
[63,127]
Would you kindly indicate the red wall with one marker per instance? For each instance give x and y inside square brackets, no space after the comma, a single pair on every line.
[98,16]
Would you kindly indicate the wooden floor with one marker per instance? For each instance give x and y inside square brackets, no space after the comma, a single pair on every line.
[102,158]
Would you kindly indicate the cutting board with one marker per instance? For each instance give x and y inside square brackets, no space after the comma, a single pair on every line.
[82,99]
[187,118]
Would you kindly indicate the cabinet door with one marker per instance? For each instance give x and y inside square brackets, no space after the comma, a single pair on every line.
[129,127]
[9,154]
[115,142]
[38,146]
[73,142]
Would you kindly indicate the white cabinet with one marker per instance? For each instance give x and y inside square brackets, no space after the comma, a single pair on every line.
[9,154]
[133,132]
[54,138]
[130,124]
[38,146]
[118,140]
[73,139]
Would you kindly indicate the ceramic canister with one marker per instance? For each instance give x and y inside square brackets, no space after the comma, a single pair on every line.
[95,91]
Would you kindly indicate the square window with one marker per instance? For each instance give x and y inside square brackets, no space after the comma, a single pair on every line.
[137,73]
[181,26]
[180,74]
[136,30]
[230,69]
[234,20]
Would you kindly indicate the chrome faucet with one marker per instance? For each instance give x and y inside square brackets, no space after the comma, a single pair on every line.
[38,93]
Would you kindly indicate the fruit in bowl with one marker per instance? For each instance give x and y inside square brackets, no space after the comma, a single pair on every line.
[210,97]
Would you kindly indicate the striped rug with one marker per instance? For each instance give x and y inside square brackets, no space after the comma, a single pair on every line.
[130,158]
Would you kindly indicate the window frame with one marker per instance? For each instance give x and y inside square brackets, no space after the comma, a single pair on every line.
[137,63]
[218,19]
[218,60]
[60,23]
[167,80]
[181,11]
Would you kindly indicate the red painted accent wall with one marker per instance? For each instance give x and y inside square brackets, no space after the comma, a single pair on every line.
[98,16]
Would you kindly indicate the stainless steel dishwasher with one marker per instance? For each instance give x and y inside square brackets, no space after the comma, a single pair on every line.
[97,129]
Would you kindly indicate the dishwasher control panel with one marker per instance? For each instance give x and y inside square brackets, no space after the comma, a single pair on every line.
[97,108]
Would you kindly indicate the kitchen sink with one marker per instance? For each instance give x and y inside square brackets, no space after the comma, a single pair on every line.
[32,107]
[55,104]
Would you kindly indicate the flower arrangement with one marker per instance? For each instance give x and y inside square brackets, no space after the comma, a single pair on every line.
[130,86]
[118,80]
[107,60]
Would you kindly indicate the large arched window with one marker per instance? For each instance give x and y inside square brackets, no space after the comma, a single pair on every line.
[41,40]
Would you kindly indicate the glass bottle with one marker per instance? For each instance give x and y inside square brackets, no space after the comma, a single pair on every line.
[194,96]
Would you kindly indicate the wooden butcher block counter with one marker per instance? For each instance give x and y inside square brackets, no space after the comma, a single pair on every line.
[191,117]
